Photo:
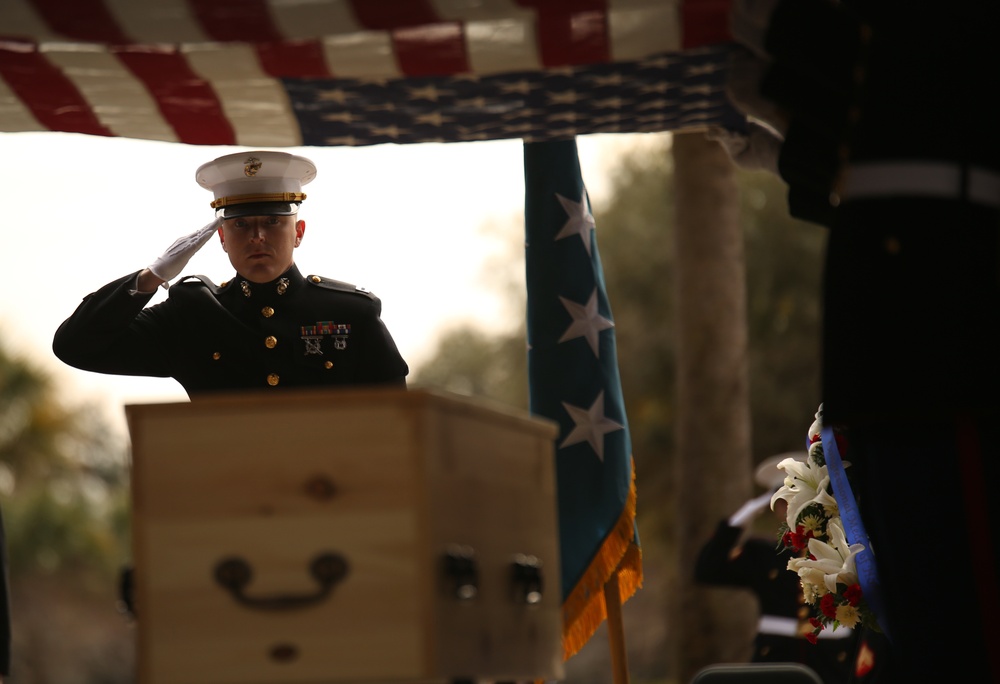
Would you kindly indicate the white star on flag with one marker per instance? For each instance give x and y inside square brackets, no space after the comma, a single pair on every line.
[581,222]
[587,322]
[590,425]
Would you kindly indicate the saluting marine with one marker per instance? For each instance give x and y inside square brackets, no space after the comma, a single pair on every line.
[267,327]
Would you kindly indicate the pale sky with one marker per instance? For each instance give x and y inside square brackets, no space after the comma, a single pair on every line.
[421,226]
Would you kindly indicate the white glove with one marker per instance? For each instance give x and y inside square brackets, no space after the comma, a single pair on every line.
[757,149]
[743,81]
[173,261]
[749,510]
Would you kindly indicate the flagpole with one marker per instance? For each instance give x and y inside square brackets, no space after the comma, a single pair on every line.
[616,630]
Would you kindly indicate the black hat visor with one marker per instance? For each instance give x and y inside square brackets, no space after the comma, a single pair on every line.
[258,209]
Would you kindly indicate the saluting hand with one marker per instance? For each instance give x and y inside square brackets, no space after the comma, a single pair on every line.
[172,262]
[750,510]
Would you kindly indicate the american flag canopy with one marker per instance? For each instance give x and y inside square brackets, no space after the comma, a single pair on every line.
[288,73]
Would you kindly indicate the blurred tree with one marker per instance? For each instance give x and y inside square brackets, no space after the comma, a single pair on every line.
[634,229]
[784,268]
[63,483]
[62,475]
[471,362]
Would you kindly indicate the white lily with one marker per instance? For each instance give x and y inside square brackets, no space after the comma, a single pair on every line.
[811,578]
[831,563]
[805,484]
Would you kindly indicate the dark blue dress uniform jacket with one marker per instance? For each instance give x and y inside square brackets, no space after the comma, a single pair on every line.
[293,332]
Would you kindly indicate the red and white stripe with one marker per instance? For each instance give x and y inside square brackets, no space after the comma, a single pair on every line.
[206,71]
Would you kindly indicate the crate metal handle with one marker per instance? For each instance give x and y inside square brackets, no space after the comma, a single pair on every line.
[234,574]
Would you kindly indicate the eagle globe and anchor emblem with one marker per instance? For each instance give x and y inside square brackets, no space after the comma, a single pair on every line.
[251,166]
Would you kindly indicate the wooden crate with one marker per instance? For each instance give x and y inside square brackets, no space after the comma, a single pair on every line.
[404,488]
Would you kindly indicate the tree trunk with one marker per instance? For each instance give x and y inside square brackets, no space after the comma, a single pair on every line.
[713,460]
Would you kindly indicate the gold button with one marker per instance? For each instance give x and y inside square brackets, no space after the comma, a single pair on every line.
[224,283]
[270,341]
[267,312]
[316,279]
[328,364]
[273,379]
[216,356]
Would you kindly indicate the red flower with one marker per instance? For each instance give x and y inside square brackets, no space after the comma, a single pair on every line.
[828,606]
[812,637]
[817,623]
[853,594]
[799,539]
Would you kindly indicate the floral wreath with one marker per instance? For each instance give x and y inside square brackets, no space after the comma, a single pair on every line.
[814,533]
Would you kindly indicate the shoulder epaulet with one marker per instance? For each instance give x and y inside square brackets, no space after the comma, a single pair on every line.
[339,286]
[204,280]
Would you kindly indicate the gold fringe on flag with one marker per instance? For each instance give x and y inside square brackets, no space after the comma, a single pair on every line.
[584,609]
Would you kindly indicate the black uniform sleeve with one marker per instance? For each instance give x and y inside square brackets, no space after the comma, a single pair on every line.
[384,358]
[716,563]
[109,333]
[725,561]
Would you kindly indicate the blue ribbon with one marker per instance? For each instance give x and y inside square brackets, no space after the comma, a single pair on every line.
[854,528]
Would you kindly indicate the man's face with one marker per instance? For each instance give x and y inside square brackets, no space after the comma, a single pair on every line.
[260,247]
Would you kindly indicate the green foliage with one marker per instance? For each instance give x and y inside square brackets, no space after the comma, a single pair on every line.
[62,478]
[784,268]
[60,527]
[473,363]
